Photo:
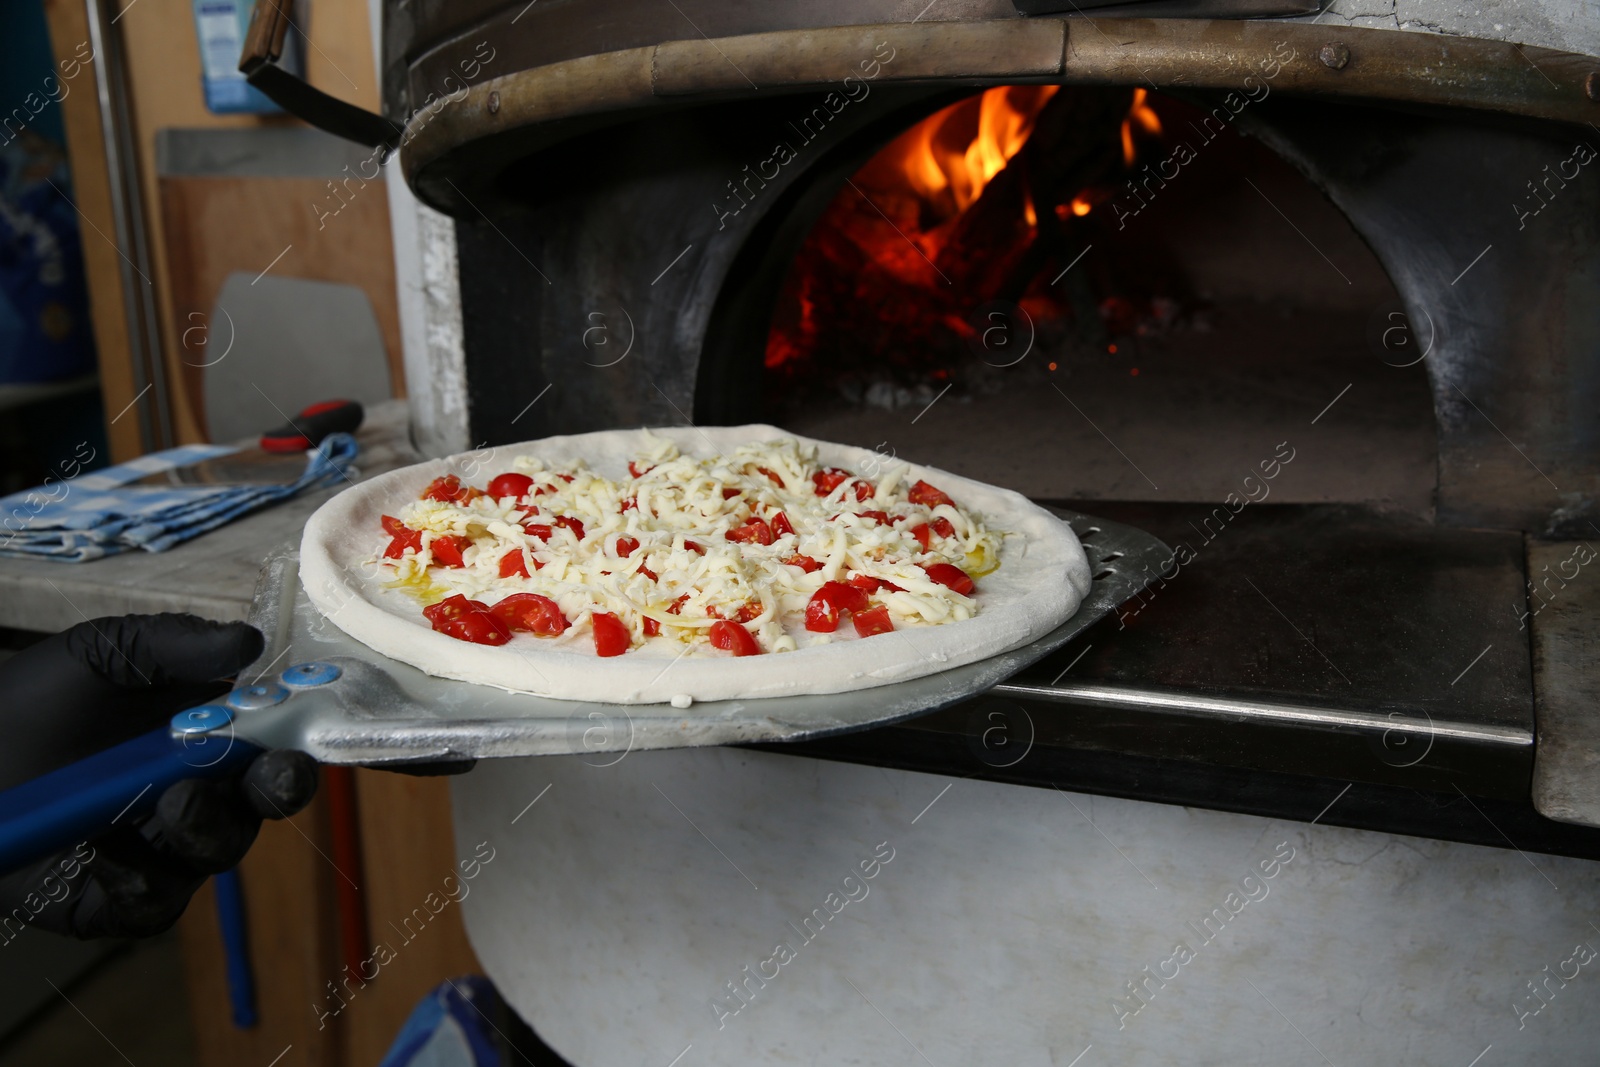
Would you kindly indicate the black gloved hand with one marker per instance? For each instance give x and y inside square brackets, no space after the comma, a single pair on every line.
[97,685]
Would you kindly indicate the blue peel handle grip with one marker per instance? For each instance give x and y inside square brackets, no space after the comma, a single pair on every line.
[83,800]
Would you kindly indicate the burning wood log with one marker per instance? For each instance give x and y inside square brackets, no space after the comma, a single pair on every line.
[965,208]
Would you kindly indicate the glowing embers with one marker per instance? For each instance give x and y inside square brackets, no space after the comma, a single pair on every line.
[978,206]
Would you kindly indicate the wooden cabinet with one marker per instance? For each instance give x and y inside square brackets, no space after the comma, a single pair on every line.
[289,888]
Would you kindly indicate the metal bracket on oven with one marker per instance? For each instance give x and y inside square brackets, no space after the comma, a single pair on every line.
[270,23]
[364,708]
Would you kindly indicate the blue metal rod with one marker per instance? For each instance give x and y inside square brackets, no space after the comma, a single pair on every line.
[83,800]
[236,947]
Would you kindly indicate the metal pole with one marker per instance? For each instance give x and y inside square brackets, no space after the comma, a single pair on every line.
[127,213]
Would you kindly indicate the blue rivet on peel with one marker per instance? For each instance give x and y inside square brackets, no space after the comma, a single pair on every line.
[256,697]
[306,675]
[201,720]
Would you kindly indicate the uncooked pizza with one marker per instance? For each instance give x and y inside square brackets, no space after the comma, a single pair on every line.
[687,565]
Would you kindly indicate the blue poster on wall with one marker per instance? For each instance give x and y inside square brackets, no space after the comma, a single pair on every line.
[221,26]
[44,308]
[45,333]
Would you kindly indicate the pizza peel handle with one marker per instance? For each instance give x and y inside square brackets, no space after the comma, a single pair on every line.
[82,800]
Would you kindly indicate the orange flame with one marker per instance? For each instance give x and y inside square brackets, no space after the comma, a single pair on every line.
[1081,207]
[938,165]
[1142,115]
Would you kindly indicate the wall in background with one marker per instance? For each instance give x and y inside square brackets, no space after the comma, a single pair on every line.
[163,59]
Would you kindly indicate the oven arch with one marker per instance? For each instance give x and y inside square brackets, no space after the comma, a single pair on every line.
[1389,146]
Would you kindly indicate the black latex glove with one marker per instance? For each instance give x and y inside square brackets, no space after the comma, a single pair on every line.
[104,682]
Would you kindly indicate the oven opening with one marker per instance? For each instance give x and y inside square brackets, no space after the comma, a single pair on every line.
[1098,293]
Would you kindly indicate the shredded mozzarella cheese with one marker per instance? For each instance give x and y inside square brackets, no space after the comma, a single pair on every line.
[712,502]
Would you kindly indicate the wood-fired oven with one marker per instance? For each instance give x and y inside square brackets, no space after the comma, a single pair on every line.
[1314,295]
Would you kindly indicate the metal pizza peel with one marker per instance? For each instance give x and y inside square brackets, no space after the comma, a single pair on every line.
[318,690]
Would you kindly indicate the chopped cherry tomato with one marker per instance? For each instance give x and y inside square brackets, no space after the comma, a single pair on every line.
[846,596]
[734,638]
[531,612]
[566,477]
[513,564]
[923,493]
[628,505]
[729,494]
[444,488]
[538,529]
[512,485]
[748,611]
[633,469]
[781,524]
[879,517]
[924,532]
[694,547]
[872,621]
[466,620]
[651,627]
[805,563]
[950,576]
[828,479]
[448,489]
[869,584]
[404,537]
[627,546]
[771,475]
[572,524]
[677,605]
[755,531]
[822,612]
[822,617]
[447,550]
[610,636]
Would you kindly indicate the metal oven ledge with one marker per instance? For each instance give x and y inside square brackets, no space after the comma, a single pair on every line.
[1303,658]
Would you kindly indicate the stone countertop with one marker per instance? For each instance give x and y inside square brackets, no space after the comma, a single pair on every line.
[213,575]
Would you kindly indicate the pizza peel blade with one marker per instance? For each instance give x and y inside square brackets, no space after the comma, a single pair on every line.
[376,710]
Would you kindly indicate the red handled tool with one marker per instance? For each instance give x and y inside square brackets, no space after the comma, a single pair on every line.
[312,424]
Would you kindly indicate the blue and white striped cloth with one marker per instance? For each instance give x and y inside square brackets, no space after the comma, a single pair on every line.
[100,514]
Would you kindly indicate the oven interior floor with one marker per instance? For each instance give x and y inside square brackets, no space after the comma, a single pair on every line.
[1203,412]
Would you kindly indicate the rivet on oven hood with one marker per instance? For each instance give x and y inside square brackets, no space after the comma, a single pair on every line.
[1334,55]
[494,103]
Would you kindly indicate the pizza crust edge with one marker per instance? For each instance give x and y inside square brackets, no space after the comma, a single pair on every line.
[1017,606]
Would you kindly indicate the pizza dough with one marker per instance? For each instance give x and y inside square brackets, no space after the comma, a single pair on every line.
[1042,578]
